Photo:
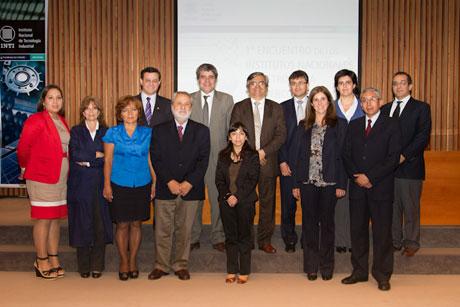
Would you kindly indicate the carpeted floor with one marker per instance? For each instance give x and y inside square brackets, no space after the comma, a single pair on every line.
[283,290]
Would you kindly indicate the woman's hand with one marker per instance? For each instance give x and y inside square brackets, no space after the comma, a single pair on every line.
[107,193]
[152,191]
[296,193]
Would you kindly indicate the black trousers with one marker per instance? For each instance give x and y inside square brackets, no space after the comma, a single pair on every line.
[288,210]
[318,205]
[267,205]
[237,222]
[92,258]
[380,214]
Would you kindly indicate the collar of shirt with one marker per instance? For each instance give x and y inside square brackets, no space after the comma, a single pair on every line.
[184,125]
[153,98]
[304,100]
[210,98]
[92,133]
[351,110]
[262,102]
[405,100]
[373,119]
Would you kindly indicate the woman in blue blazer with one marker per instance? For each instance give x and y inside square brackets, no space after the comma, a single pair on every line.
[319,179]
[90,225]
[347,107]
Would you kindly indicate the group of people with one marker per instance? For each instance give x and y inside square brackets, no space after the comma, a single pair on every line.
[349,161]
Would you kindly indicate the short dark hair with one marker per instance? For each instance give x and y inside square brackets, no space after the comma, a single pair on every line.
[226,152]
[41,106]
[206,67]
[409,78]
[299,74]
[353,77]
[256,74]
[150,69]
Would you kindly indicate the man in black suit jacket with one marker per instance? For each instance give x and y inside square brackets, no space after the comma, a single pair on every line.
[294,111]
[264,120]
[155,108]
[371,155]
[180,153]
[415,121]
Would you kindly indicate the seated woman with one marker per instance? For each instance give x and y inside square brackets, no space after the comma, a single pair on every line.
[90,226]
[319,179]
[237,174]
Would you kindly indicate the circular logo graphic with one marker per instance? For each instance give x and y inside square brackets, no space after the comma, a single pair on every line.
[7,34]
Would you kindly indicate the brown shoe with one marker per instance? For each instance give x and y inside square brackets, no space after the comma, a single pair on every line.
[242,279]
[219,246]
[195,245]
[231,278]
[268,248]
[183,274]
[409,251]
[157,274]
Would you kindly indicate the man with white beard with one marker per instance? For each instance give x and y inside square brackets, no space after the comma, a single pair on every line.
[180,152]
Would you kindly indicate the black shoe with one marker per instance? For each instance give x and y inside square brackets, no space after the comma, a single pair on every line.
[123,276]
[290,248]
[327,276]
[312,276]
[134,274]
[353,279]
[96,274]
[182,274]
[195,245]
[84,275]
[384,285]
[341,249]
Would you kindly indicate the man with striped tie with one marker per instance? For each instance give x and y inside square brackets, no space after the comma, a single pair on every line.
[156,109]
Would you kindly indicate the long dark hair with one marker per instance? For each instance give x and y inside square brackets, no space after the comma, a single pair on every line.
[225,153]
[41,106]
[330,118]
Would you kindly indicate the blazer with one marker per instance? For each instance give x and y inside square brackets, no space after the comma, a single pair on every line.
[273,132]
[290,118]
[415,122]
[39,149]
[221,111]
[180,161]
[376,155]
[246,180]
[161,112]
[358,112]
[333,169]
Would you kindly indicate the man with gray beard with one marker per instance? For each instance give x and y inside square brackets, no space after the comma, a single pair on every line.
[180,152]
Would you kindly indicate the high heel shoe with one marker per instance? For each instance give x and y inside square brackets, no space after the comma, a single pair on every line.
[48,274]
[124,276]
[133,274]
[59,269]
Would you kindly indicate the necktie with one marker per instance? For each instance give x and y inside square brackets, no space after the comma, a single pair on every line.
[257,124]
[397,110]
[300,112]
[148,110]
[179,132]
[369,127]
[206,111]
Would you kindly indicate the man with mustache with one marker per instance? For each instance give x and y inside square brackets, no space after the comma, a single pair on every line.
[180,153]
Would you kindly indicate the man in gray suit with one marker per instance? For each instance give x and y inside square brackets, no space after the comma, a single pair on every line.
[213,109]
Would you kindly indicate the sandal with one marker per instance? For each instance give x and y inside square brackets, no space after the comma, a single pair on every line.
[48,274]
[59,270]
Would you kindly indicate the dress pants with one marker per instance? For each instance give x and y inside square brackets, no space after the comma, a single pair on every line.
[174,220]
[380,214]
[92,258]
[217,230]
[266,226]
[318,228]
[237,223]
[406,211]
[342,222]
[288,210]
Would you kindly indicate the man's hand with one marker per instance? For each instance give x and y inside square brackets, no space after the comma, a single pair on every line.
[339,193]
[296,193]
[232,201]
[362,181]
[401,159]
[262,159]
[285,169]
[185,187]
[174,187]
[99,154]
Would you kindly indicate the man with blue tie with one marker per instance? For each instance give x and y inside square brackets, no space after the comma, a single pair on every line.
[156,109]
[294,111]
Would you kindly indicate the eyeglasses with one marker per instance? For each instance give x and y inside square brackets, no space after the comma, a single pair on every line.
[402,82]
[299,83]
[370,99]
[257,83]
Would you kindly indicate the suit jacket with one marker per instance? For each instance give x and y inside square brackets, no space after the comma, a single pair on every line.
[415,122]
[161,112]
[180,161]
[221,111]
[290,118]
[273,132]
[39,149]
[246,180]
[377,156]
[333,169]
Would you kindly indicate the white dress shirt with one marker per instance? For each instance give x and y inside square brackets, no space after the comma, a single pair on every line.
[401,106]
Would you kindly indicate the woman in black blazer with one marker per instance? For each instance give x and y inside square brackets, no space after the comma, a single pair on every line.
[319,179]
[237,174]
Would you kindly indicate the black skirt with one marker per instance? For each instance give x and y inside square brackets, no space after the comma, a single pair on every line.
[130,204]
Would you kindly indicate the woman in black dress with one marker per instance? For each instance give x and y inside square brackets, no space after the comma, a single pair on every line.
[237,174]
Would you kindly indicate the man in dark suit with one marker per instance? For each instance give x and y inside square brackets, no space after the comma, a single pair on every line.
[213,109]
[415,120]
[371,154]
[180,152]
[294,111]
[155,108]
[264,120]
